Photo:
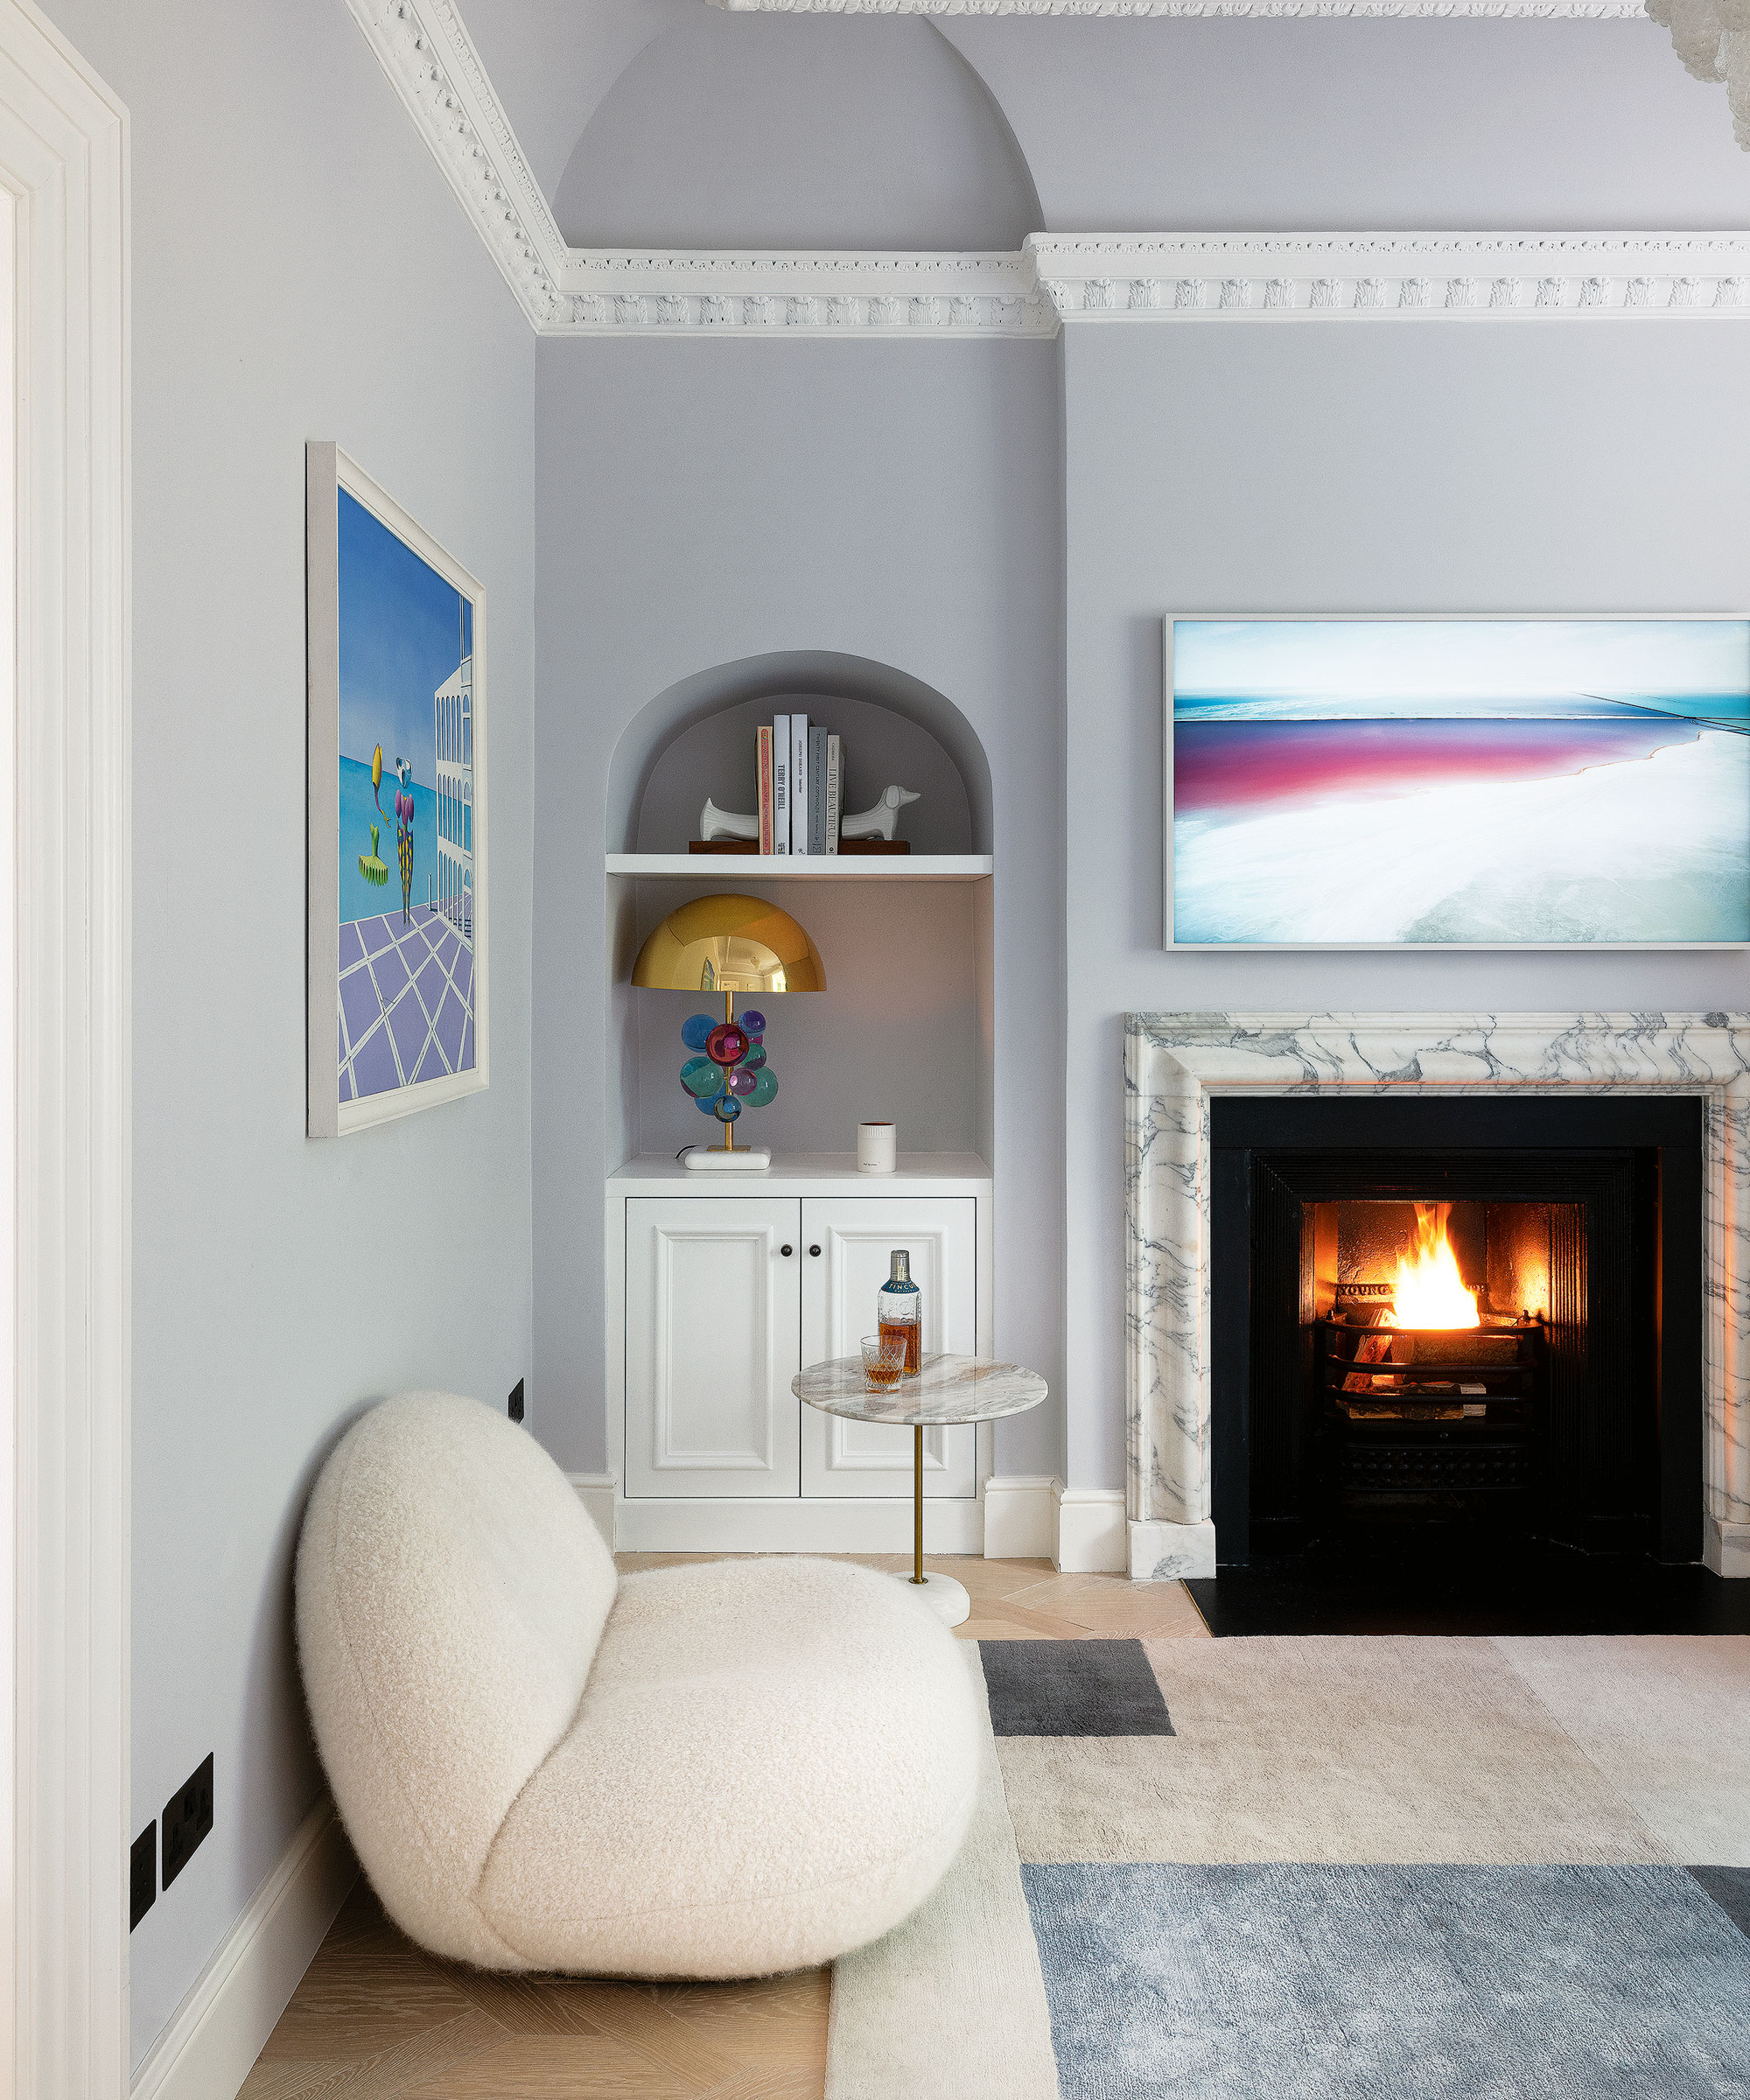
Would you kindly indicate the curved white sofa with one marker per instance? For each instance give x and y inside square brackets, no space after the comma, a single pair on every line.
[720,1770]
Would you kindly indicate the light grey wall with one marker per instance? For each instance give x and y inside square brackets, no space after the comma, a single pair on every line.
[735,130]
[300,270]
[704,502]
[1514,468]
[1241,125]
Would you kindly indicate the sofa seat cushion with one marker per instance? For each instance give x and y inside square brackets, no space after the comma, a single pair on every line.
[773,1762]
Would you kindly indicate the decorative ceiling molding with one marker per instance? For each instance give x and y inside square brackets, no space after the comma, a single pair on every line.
[1054,279]
[1375,276]
[792,294]
[431,61]
[1255,11]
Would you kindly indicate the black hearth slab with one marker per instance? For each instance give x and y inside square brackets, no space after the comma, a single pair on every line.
[1596,1597]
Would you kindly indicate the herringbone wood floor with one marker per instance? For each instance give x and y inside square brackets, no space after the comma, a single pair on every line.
[375,2018]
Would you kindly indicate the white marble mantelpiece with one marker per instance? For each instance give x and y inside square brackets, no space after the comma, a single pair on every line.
[1175,1062]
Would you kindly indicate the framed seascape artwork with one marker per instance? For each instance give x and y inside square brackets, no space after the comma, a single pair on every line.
[1458,783]
[396,858]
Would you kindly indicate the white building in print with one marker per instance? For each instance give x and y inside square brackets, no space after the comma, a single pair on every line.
[453,704]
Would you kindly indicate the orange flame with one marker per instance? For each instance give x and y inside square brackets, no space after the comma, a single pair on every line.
[1428,1291]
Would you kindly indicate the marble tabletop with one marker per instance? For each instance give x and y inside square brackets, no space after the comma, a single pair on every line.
[946,1389]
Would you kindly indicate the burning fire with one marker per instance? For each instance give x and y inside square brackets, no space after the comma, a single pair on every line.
[1427,1291]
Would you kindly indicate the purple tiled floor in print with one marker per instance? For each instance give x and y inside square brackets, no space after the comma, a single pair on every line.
[406,1002]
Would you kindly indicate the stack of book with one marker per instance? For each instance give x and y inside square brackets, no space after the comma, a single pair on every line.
[800,770]
[801,775]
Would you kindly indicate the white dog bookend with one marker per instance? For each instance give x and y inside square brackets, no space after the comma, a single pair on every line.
[880,822]
[725,823]
[883,819]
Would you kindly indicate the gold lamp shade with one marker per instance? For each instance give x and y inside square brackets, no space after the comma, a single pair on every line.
[728,943]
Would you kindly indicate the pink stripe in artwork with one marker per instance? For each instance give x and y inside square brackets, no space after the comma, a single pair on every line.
[1237,766]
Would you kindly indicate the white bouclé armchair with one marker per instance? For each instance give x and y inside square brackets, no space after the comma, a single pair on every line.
[718,1770]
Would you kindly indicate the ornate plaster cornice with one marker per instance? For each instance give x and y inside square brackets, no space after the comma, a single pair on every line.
[1256,11]
[616,291]
[1375,276]
[429,56]
[1054,279]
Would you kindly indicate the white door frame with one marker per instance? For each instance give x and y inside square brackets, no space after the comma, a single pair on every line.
[64,160]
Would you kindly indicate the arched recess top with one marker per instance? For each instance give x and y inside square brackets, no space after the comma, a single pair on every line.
[777,675]
[731,130]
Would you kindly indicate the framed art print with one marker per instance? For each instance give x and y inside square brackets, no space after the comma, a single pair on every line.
[396,856]
[1458,783]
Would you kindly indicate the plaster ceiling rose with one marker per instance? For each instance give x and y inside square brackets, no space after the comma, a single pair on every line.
[1712,39]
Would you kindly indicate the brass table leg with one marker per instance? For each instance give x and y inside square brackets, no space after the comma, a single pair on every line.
[918,1502]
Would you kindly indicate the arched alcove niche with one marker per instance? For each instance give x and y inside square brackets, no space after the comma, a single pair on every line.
[734,129]
[904,1028]
[697,739]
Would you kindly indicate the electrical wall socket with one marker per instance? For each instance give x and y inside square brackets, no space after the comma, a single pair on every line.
[143,1874]
[187,1818]
[516,1402]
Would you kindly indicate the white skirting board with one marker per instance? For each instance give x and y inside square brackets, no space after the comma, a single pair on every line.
[1090,1531]
[595,1491]
[1017,1516]
[1725,1547]
[704,1524]
[211,2045]
[1021,1517]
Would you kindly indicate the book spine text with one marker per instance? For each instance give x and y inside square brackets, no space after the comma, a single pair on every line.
[763,748]
[834,791]
[799,783]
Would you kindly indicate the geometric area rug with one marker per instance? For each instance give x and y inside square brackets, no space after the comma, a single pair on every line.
[1347,1868]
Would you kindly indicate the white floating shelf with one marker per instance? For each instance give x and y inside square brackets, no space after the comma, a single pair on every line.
[729,868]
[807,1174]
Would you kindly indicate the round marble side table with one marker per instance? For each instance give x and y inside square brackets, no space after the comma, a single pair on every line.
[945,1390]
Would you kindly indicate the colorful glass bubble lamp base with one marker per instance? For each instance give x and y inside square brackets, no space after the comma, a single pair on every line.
[726,1073]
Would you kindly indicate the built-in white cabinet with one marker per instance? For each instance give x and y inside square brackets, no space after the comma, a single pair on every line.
[713,1301]
[727,1296]
[847,1241]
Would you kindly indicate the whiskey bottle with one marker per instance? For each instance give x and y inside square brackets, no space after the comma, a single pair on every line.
[899,1309]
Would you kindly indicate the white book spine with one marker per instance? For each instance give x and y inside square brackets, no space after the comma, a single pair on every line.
[781,783]
[799,783]
[834,791]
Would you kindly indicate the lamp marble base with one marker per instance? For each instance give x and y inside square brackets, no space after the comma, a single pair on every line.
[948,1599]
[713,1158]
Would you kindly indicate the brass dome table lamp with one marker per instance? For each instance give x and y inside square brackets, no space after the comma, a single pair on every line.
[728,945]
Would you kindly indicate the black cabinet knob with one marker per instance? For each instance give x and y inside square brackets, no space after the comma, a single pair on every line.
[813,1249]
[784,1251]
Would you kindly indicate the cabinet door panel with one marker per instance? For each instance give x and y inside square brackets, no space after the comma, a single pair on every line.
[856,1236]
[712,1319]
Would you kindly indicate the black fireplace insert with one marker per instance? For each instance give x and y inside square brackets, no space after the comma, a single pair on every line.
[1456,1321]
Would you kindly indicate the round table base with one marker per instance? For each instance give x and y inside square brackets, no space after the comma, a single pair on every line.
[948,1599]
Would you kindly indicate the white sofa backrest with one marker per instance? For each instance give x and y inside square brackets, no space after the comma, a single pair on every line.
[451,1594]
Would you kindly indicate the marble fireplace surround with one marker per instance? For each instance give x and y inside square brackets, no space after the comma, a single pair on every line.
[1175,1062]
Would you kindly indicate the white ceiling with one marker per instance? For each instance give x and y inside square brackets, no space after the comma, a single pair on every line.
[711,111]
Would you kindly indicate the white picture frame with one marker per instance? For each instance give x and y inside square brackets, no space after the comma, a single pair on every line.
[432,955]
[1579,946]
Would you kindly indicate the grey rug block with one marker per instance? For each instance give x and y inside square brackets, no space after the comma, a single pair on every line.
[1072,1688]
[1730,1888]
[1277,1982]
